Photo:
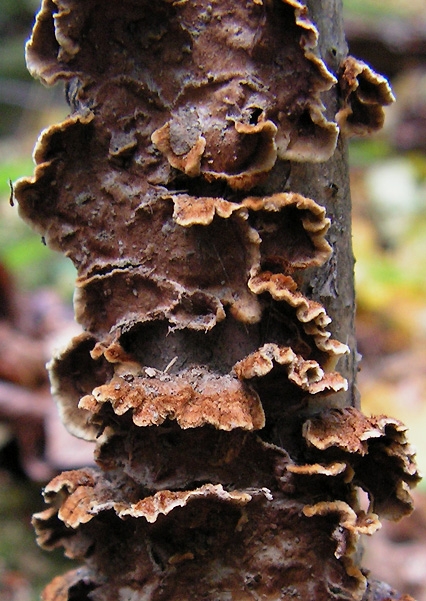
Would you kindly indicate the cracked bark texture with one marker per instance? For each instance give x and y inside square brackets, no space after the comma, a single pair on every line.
[200,187]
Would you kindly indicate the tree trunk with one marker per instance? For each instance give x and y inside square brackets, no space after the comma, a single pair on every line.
[200,186]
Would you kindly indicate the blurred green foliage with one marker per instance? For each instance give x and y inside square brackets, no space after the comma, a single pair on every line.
[16,18]
[21,250]
[372,9]
[25,107]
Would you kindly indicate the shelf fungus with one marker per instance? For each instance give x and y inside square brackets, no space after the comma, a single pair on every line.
[364,94]
[228,453]
[378,445]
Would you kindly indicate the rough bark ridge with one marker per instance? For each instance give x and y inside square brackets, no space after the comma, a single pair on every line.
[187,186]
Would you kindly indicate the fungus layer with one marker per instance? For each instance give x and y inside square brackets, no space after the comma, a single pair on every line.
[379,451]
[201,354]
[206,109]
[103,188]
[86,504]
[311,314]
[150,489]
[194,398]
[308,375]
[251,549]
[365,93]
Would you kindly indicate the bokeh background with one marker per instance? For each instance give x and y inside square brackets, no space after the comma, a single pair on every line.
[388,178]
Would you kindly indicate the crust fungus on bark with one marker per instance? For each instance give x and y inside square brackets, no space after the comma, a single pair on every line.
[229,453]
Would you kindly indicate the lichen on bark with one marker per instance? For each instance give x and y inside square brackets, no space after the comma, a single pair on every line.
[192,186]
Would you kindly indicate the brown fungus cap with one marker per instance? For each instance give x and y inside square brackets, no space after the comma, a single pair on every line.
[365,93]
[127,277]
[112,303]
[333,469]
[346,534]
[311,314]
[83,494]
[80,581]
[355,524]
[108,378]
[87,377]
[195,397]
[310,559]
[92,167]
[73,373]
[248,103]
[185,275]
[306,374]
[84,581]
[137,258]
[261,137]
[376,448]
[292,230]
[288,228]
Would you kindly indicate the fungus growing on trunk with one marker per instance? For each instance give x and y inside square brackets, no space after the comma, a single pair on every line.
[228,452]
[365,93]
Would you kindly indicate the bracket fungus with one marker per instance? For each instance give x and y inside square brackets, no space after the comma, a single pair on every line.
[365,93]
[228,452]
